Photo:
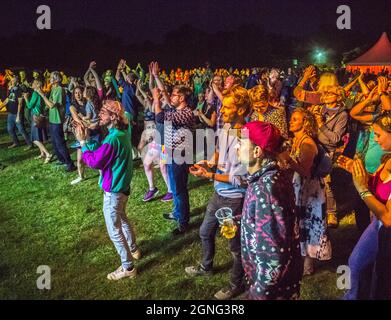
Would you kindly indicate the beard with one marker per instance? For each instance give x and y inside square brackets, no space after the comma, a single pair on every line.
[104,123]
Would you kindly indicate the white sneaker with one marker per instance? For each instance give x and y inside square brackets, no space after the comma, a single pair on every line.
[121,273]
[76,181]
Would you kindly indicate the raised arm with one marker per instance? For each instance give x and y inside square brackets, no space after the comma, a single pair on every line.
[151,78]
[358,113]
[96,77]
[159,83]
[351,84]
[140,89]
[120,68]
[85,78]
[299,91]
[29,101]
[48,103]
[383,93]
[217,92]
[141,95]
[364,89]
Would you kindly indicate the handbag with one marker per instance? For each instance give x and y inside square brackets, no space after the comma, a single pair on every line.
[40,121]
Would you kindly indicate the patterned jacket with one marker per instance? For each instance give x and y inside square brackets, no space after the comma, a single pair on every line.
[270,236]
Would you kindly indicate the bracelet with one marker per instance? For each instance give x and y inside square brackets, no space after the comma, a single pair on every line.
[365,194]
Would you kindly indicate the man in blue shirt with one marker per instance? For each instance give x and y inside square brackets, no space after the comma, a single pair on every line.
[127,82]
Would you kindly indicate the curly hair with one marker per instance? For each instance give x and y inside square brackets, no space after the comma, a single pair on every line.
[337,90]
[185,91]
[240,96]
[383,120]
[258,93]
[309,123]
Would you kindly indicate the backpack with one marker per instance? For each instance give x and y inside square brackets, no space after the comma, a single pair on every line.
[323,163]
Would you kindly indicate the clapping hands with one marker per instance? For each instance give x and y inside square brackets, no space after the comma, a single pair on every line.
[92,65]
[154,68]
[345,163]
[382,85]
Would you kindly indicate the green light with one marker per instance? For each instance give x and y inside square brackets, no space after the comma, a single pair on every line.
[320,57]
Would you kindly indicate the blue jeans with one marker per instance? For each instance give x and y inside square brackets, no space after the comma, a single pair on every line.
[383,265]
[118,226]
[177,175]
[59,144]
[363,257]
[11,124]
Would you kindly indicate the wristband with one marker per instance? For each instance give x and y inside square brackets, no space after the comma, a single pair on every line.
[365,194]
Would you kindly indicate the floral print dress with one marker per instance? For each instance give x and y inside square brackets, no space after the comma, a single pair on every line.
[311,204]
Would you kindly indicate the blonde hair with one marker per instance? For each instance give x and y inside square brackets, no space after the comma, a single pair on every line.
[327,80]
[240,96]
[258,93]
[309,123]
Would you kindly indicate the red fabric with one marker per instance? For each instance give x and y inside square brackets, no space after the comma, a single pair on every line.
[376,58]
[263,134]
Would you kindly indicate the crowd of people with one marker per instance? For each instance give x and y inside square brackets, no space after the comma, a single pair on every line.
[271,142]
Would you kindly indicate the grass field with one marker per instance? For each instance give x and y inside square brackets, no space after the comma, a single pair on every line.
[46,221]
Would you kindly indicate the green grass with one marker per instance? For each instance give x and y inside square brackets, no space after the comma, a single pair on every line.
[46,221]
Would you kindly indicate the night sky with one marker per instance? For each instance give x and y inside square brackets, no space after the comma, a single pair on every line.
[150,20]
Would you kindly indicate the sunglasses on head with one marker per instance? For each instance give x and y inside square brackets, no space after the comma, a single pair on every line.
[384,118]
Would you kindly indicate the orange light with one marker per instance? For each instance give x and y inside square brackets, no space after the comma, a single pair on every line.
[372,69]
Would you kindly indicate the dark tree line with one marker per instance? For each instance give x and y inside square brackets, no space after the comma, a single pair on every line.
[187,46]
